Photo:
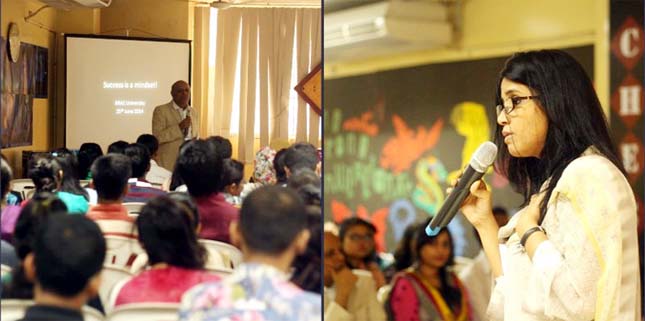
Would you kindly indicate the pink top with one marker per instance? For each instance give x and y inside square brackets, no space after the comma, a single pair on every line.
[10,216]
[162,285]
[216,215]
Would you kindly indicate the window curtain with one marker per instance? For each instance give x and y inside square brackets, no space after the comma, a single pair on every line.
[263,39]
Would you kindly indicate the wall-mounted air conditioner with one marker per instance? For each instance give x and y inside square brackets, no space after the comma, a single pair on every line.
[71,4]
[386,28]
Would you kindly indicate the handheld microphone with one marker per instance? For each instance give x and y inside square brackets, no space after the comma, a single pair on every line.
[483,157]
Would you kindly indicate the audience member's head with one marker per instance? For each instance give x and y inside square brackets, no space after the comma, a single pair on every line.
[300,155]
[69,169]
[110,175]
[67,260]
[176,180]
[306,273]
[166,231]
[184,199]
[501,215]
[357,240]
[303,176]
[45,173]
[41,206]
[404,255]
[117,147]
[333,257]
[6,175]
[278,167]
[232,175]
[263,171]
[223,146]
[151,142]
[200,168]
[86,156]
[272,222]
[140,159]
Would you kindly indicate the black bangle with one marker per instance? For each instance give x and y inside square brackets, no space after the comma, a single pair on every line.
[528,233]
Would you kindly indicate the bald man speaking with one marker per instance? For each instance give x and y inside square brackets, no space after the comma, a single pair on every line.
[173,123]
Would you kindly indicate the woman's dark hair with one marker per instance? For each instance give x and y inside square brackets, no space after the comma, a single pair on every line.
[69,182]
[43,171]
[182,198]
[41,206]
[175,179]
[575,120]
[86,156]
[404,255]
[6,177]
[278,165]
[166,231]
[307,274]
[449,292]
[232,172]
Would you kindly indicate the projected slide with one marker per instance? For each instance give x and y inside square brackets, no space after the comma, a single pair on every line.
[113,86]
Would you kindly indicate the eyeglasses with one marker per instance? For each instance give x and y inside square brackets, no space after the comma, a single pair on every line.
[514,102]
[358,237]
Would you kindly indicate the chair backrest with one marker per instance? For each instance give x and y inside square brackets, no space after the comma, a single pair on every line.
[84,182]
[121,251]
[223,272]
[111,275]
[12,310]
[134,208]
[145,312]
[24,186]
[117,228]
[232,256]
[5,269]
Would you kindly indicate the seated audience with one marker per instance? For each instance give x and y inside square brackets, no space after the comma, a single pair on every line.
[279,167]
[348,295]
[118,147]
[10,213]
[358,246]
[41,206]
[271,232]
[55,174]
[306,266]
[110,179]
[301,155]
[157,174]
[176,260]
[201,168]
[65,267]
[223,146]
[232,175]
[428,290]
[263,172]
[139,190]
[86,156]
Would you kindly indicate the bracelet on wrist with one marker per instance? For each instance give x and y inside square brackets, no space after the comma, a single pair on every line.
[528,233]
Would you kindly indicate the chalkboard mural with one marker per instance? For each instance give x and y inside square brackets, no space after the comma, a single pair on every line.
[394,141]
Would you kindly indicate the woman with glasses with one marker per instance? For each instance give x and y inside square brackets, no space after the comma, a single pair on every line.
[428,290]
[571,252]
[357,243]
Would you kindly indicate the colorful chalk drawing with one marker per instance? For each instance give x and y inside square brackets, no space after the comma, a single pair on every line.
[428,194]
[407,146]
[471,122]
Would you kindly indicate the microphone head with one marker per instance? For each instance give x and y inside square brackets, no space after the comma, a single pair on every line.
[483,157]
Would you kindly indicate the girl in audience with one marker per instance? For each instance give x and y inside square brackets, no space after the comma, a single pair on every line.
[278,167]
[86,156]
[357,243]
[306,266]
[232,175]
[428,290]
[57,174]
[263,173]
[9,212]
[176,260]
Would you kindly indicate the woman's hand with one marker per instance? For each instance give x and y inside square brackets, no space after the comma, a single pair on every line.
[477,207]
[530,215]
